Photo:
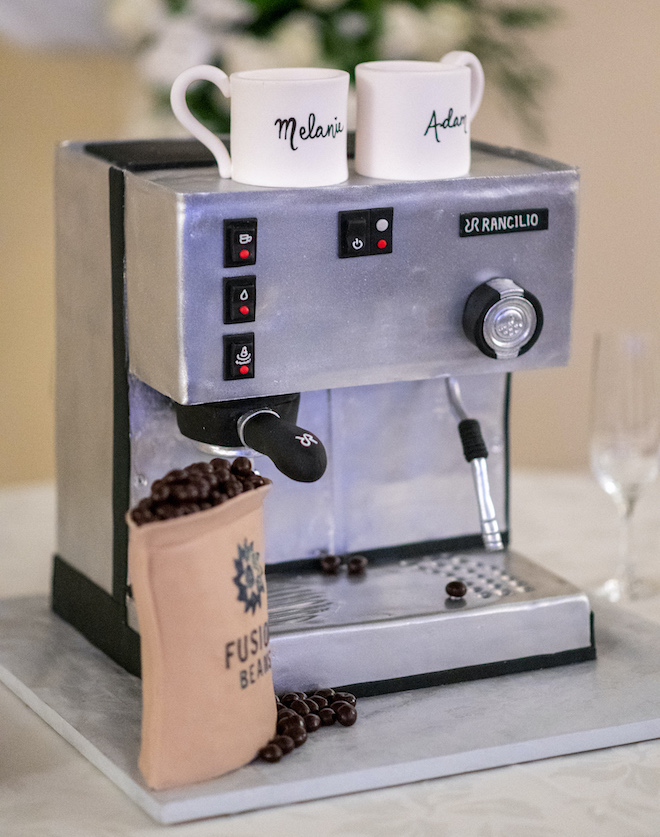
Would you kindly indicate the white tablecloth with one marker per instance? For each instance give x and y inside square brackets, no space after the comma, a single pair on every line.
[560,520]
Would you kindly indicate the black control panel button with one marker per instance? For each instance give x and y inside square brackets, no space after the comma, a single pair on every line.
[238,356]
[240,298]
[365,232]
[240,242]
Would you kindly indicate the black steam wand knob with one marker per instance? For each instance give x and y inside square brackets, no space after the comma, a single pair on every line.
[294,451]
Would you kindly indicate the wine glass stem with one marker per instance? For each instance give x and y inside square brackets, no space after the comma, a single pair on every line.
[626,569]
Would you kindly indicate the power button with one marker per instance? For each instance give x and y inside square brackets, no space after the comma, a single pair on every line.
[365,232]
[353,234]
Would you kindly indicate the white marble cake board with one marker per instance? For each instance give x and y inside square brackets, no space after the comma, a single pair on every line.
[399,738]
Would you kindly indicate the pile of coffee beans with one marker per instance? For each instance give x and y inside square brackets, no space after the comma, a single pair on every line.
[300,713]
[197,487]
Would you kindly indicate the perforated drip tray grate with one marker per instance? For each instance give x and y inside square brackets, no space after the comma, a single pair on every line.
[396,621]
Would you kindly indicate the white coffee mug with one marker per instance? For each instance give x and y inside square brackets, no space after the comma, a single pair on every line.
[288,126]
[413,117]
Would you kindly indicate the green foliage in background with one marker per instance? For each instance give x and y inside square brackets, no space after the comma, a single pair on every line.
[347,32]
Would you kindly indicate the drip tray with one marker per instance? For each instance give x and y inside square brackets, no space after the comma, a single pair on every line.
[395,627]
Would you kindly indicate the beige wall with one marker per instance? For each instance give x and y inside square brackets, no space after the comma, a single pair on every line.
[43,100]
[602,115]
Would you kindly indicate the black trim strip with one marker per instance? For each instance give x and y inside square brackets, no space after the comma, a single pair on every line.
[153,155]
[479,672]
[96,614]
[388,554]
[505,524]
[120,440]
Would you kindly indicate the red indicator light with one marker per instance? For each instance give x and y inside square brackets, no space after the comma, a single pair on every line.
[244,254]
[244,370]
[244,310]
[382,243]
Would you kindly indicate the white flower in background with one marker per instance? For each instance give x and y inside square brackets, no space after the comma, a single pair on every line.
[447,26]
[245,52]
[135,20]
[297,41]
[352,25]
[223,12]
[180,44]
[409,32]
[403,31]
[293,43]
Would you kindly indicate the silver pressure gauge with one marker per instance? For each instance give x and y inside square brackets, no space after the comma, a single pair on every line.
[502,319]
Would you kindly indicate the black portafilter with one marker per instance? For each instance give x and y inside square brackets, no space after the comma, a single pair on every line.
[267,425]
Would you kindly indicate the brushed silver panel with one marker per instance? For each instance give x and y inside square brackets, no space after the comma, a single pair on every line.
[84,365]
[324,322]
[396,472]
[396,621]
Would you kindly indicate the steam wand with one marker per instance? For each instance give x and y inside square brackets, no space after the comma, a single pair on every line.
[475,452]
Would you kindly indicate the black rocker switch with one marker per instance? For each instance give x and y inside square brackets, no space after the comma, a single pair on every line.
[365,232]
[238,356]
[353,234]
[240,297]
[240,242]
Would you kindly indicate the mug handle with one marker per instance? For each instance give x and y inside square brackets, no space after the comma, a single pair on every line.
[203,72]
[460,58]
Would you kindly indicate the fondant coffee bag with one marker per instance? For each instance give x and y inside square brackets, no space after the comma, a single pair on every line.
[200,592]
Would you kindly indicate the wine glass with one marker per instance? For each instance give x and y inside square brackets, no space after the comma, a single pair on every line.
[625,440]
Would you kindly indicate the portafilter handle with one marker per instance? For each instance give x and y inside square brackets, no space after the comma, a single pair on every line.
[294,451]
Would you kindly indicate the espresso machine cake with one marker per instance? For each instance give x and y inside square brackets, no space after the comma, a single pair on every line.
[356,342]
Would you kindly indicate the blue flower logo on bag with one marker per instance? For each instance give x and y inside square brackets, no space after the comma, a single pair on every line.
[249,576]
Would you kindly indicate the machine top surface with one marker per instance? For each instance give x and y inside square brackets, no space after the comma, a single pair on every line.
[488,161]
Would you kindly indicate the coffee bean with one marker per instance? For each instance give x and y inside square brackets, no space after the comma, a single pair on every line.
[327,716]
[311,704]
[319,701]
[285,712]
[330,564]
[326,693]
[356,565]
[285,743]
[312,722]
[300,707]
[233,487]
[160,493]
[271,752]
[346,714]
[288,698]
[163,512]
[456,589]
[241,466]
[285,726]
[347,697]
[298,735]
[200,468]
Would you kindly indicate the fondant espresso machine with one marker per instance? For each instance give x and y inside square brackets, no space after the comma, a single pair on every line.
[356,342]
